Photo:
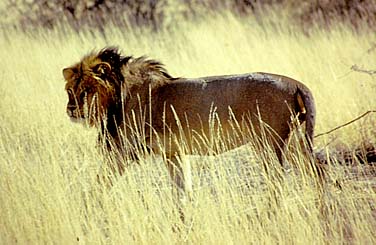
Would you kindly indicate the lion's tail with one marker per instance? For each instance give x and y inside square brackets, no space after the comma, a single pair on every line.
[305,96]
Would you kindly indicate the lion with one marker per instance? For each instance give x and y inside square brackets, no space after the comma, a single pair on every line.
[136,99]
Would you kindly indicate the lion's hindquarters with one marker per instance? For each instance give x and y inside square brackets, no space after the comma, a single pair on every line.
[310,117]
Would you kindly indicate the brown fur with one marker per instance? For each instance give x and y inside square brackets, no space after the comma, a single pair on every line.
[126,95]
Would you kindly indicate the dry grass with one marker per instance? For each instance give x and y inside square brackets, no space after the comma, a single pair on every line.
[48,165]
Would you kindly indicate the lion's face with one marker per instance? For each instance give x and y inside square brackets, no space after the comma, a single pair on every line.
[89,91]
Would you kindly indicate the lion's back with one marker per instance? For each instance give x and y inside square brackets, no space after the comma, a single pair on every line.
[193,100]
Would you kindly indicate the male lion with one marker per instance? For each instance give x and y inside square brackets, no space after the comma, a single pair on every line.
[131,98]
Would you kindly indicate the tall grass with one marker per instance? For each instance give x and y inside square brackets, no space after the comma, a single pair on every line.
[48,165]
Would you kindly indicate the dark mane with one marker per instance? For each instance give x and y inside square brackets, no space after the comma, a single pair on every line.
[145,64]
[142,71]
[134,70]
[112,56]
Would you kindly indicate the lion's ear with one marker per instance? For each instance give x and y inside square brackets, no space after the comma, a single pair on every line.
[68,73]
[102,68]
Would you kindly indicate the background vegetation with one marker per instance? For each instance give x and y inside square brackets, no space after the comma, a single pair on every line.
[159,14]
[48,165]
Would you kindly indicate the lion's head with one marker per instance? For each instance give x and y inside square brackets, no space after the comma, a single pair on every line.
[92,85]
[102,80]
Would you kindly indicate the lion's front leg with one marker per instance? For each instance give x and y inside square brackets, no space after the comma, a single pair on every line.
[177,164]
[110,148]
[180,172]
[179,169]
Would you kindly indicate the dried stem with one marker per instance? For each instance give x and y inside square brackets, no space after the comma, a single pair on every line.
[346,124]
[357,69]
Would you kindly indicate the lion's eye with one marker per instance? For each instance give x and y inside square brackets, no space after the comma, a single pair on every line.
[83,95]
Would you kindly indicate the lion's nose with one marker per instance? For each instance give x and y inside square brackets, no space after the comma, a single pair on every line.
[70,110]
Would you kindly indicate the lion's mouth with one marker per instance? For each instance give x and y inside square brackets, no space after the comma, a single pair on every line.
[78,120]
[86,122]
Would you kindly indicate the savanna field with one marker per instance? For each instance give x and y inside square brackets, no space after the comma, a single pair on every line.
[49,192]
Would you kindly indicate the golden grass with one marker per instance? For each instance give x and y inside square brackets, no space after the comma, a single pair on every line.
[48,165]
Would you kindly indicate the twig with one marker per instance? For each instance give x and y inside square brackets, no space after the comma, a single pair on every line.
[357,69]
[343,125]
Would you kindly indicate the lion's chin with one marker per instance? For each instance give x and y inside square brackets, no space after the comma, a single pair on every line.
[81,121]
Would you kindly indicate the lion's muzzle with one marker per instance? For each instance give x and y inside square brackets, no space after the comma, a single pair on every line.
[74,115]
[71,111]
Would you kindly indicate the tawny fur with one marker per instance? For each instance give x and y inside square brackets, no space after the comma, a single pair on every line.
[128,96]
